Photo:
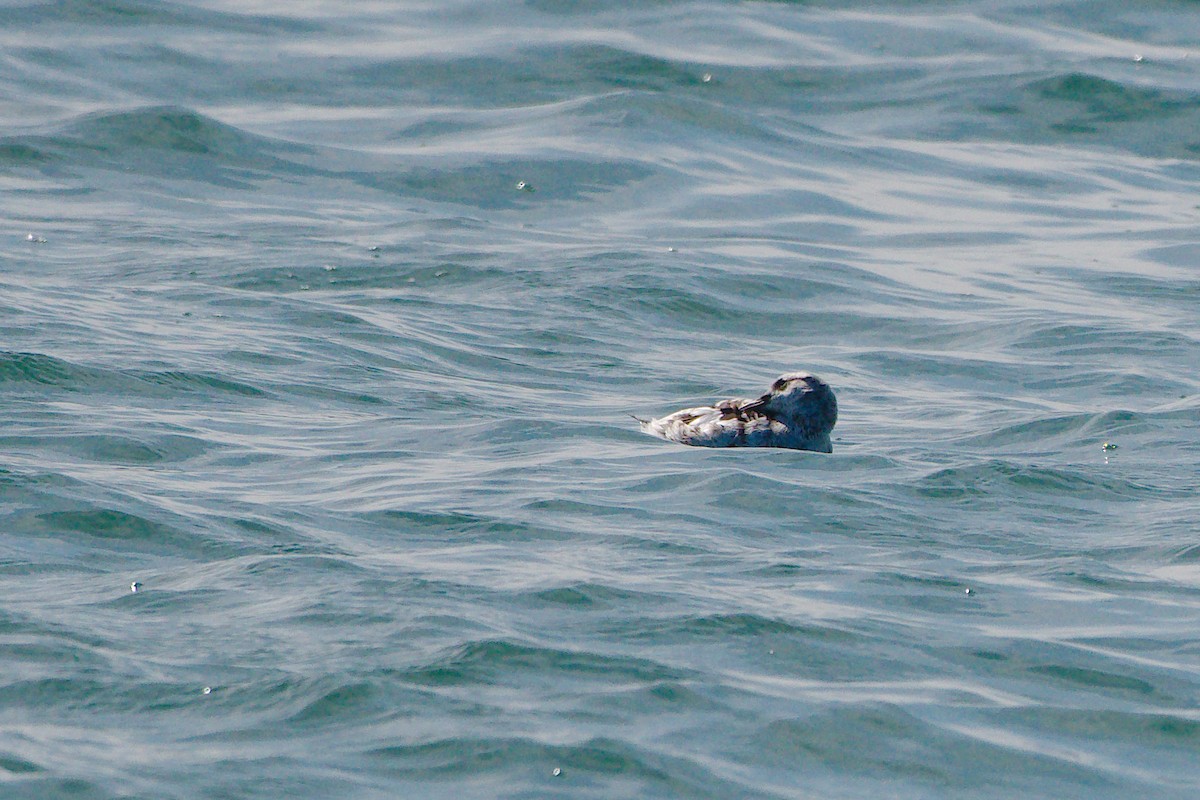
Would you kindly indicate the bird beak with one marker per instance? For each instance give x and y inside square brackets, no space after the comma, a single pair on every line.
[757,404]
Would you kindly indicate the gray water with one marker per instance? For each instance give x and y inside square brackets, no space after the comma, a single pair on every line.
[320,326]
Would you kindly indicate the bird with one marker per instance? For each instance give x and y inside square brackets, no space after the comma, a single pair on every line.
[798,412]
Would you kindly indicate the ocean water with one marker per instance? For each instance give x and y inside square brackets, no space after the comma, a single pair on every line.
[321,325]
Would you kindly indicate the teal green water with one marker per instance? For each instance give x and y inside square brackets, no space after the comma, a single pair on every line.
[320,326]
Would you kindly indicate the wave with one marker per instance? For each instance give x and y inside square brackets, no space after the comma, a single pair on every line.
[34,370]
[498,660]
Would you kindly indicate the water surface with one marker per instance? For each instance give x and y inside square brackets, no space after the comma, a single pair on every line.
[322,325]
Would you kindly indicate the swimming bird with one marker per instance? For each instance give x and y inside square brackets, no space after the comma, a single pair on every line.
[798,412]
